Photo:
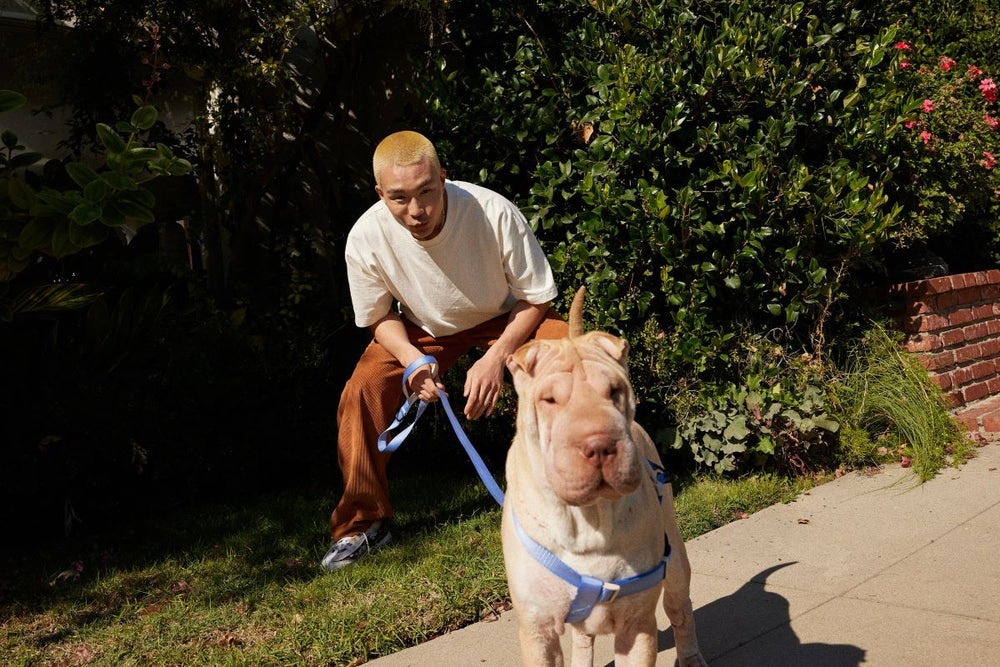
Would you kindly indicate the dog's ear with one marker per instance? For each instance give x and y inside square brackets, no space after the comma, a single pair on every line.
[523,360]
[617,348]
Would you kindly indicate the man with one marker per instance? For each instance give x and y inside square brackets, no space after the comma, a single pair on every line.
[466,271]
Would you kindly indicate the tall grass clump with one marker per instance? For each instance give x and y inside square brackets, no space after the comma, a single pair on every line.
[891,406]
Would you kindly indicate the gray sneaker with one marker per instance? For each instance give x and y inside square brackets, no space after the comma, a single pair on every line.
[349,550]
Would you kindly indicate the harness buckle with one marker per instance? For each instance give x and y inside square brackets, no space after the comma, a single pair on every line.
[615,590]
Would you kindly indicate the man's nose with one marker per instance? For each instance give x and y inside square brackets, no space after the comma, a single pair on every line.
[414,208]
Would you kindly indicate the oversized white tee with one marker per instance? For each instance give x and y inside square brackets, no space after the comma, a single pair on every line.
[484,260]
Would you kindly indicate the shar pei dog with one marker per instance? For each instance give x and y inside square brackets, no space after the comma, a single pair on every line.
[589,535]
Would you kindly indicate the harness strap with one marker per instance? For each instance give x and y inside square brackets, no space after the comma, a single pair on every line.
[470,450]
[590,591]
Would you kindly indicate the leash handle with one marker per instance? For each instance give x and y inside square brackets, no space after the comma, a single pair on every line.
[386,445]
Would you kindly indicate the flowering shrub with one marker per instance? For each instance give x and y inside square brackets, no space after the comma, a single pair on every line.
[949,180]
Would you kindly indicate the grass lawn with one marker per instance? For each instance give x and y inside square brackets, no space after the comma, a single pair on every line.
[239,583]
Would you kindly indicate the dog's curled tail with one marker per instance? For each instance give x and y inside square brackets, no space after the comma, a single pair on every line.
[576,313]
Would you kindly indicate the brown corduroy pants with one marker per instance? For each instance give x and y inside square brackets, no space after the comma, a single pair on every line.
[369,402]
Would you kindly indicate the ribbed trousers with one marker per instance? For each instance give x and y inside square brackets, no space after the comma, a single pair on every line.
[369,402]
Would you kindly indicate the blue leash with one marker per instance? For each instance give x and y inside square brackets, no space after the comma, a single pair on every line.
[393,445]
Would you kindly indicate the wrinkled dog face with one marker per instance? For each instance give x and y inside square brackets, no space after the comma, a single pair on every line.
[576,407]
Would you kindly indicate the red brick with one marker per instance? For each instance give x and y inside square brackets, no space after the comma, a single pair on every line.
[983,369]
[993,276]
[934,285]
[994,326]
[990,348]
[952,337]
[968,295]
[955,399]
[976,331]
[991,421]
[922,343]
[993,384]
[983,312]
[991,292]
[939,361]
[946,300]
[966,354]
[961,376]
[957,318]
[934,322]
[975,392]
[943,380]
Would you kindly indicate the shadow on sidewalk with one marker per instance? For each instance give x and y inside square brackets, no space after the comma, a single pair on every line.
[753,614]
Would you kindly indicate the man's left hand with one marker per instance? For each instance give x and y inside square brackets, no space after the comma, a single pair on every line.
[483,384]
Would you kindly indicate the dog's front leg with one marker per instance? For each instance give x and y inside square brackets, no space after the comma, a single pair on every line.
[539,645]
[583,648]
[635,645]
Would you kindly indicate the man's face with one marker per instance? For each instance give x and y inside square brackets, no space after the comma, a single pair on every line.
[415,197]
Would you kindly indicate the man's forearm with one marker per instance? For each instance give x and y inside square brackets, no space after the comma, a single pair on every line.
[390,333]
[524,319]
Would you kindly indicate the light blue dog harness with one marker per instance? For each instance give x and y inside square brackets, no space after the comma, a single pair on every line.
[590,591]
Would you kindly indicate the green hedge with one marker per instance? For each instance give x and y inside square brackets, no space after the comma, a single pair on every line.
[724,177]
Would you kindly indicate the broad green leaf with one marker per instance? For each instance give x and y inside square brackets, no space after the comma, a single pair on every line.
[85,213]
[20,193]
[62,246]
[37,233]
[10,100]
[81,174]
[85,236]
[9,139]
[119,181]
[95,191]
[22,160]
[144,117]
[110,139]
[135,211]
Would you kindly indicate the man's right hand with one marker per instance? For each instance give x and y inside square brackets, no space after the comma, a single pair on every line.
[421,382]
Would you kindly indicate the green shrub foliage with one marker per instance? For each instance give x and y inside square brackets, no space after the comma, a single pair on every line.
[703,167]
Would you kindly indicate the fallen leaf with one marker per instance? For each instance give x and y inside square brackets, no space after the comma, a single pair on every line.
[905,461]
[82,655]
[803,521]
[742,515]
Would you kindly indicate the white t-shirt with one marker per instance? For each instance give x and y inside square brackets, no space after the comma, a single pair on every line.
[484,260]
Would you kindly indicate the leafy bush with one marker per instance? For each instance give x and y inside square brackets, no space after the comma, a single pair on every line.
[773,413]
[703,168]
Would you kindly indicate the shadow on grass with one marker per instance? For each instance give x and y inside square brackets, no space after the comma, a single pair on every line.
[239,549]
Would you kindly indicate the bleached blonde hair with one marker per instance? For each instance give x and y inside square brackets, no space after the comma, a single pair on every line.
[403,149]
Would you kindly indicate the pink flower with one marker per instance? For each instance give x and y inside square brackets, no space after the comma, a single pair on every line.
[926,136]
[988,160]
[903,46]
[904,64]
[927,106]
[989,89]
[991,121]
[946,63]
[910,124]
[973,72]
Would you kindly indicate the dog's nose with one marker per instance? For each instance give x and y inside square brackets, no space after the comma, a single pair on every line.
[597,449]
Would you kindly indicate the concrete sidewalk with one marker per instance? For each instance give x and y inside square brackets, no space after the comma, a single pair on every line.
[865,570]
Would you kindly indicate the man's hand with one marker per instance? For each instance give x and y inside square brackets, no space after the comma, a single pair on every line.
[483,384]
[421,383]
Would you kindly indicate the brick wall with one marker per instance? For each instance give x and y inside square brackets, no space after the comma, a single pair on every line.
[953,324]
